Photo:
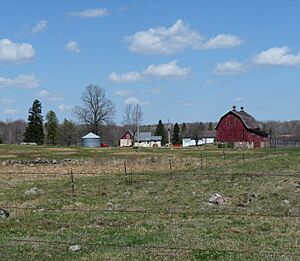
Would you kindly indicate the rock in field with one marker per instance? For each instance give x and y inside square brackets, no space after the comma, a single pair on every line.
[4,213]
[33,191]
[75,248]
[217,199]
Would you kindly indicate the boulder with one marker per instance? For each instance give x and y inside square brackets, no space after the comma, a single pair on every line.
[33,191]
[4,213]
[75,248]
[217,199]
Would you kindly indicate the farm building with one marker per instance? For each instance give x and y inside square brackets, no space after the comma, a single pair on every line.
[207,137]
[126,139]
[240,129]
[91,140]
[145,140]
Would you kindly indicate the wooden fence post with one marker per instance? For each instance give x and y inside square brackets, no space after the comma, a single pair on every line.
[224,157]
[125,172]
[201,161]
[72,183]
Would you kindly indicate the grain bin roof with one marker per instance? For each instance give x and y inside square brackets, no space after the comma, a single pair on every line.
[91,136]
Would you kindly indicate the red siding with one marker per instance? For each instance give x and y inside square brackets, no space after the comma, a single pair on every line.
[231,129]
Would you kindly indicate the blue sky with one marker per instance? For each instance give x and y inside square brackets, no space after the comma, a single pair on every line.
[185,61]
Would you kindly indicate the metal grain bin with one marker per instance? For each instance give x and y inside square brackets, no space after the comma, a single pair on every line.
[91,140]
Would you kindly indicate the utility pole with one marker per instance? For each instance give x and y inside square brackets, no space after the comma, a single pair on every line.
[138,126]
[169,134]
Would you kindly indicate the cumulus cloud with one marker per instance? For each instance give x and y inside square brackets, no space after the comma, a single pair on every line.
[39,27]
[91,13]
[229,68]
[21,81]
[72,47]
[221,41]
[49,96]
[11,111]
[176,38]
[125,77]
[134,101]
[124,92]
[277,56]
[167,70]
[11,52]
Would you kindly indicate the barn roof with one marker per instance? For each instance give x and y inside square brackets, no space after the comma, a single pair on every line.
[147,136]
[249,122]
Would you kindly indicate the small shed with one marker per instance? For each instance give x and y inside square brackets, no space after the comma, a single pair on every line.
[91,140]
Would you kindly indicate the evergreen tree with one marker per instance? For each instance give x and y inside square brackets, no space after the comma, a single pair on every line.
[34,130]
[176,134]
[210,126]
[161,131]
[182,131]
[1,141]
[51,127]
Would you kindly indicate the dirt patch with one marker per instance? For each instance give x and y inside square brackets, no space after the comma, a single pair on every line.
[61,149]
[7,156]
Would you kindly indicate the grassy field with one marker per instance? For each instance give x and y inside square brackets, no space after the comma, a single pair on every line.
[163,214]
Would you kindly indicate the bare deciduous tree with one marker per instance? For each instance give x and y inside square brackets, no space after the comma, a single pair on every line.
[132,118]
[195,131]
[97,110]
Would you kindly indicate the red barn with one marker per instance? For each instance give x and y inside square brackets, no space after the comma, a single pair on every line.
[240,129]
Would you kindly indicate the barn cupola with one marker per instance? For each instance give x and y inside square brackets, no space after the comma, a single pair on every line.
[233,108]
[242,109]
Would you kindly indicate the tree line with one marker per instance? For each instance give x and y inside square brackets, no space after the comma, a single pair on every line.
[96,115]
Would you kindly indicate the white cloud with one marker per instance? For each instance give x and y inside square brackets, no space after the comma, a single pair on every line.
[11,52]
[167,70]
[43,93]
[238,99]
[49,96]
[230,68]
[91,13]
[211,82]
[277,56]
[134,101]
[11,111]
[221,41]
[5,101]
[39,27]
[155,90]
[64,107]
[21,81]
[176,38]
[125,77]
[72,47]
[124,92]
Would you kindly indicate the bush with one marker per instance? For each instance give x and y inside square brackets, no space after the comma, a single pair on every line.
[1,141]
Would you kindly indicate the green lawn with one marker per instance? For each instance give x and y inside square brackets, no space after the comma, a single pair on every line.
[162,215]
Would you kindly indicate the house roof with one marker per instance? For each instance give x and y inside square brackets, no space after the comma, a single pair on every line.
[147,136]
[91,136]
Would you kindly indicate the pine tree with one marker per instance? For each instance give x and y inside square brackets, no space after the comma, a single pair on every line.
[34,130]
[183,131]
[51,126]
[161,131]
[176,134]
[210,126]
[1,141]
